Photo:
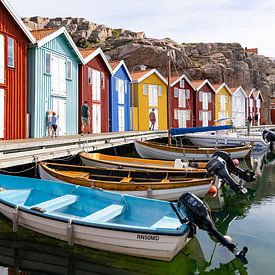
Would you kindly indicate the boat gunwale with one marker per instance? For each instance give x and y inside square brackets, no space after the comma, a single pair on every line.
[98,225]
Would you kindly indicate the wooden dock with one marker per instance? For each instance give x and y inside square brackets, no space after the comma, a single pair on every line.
[26,151]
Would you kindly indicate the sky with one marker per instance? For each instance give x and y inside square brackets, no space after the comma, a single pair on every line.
[249,22]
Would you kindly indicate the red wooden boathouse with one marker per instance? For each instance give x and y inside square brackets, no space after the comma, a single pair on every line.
[204,103]
[181,102]
[94,79]
[14,39]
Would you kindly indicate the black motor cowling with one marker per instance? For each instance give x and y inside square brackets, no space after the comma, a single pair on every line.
[217,166]
[198,214]
[268,135]
[246,175]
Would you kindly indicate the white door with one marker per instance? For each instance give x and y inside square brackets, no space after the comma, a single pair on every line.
[2,59]
[157,118]
[2,112]
[96,95]
[59,106]
[58,75]
[96,112]
[205,99]
[121,119]
[182,98]
[204,118]
[182,119]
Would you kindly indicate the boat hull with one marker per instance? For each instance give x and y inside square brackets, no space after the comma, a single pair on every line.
[147,150]
[227,140]
[169,194]
[139,244]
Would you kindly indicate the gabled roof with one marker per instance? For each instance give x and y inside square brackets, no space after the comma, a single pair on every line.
[198,84]
[18,20]
[141,75]
[219,86]
[236,89]
[115,65]
[175,79]
[249,93]
[89,54]
[258,93]
[46,35]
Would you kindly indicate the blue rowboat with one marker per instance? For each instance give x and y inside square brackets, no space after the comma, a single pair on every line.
[105,220]
[93,218]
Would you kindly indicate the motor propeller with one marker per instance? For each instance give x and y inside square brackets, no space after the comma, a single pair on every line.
[246,175]
[217,166]
[198,214]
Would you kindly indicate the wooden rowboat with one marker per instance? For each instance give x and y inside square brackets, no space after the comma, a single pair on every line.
[101,160]
[94,218]
[157,185]
[156,150]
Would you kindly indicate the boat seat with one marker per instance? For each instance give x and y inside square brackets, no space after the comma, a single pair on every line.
[167,222]
[126,180]
[105,214]
[54,204]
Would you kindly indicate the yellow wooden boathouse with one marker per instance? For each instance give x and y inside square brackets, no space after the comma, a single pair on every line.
[148,91]
[222,104]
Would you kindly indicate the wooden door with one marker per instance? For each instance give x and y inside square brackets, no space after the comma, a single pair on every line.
[2,112]
[59,106]
[121,118]
[58,75]
[205,118]
[96,113]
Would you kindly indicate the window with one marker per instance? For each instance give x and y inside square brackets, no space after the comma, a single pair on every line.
[176,92]
[48,63]
[176,114]
[153,95]
[182,83]
[96,93]
[159,91]
[102,80]
[10,52]
[120,88]
[182,99]
[90,76]
[69,69]
[145,92]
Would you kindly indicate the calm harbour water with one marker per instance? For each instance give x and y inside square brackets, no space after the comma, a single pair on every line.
[250,222]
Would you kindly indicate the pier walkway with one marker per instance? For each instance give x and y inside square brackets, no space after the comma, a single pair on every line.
[26,151]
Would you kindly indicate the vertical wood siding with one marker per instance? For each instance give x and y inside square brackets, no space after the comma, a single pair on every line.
[114,123]
[15,86]
[198,105]
[85,92]
[174,104]
[40,86]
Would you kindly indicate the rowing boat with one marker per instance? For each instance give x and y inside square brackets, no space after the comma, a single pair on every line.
[94,218]
[163,185]
[156,150]
[101,160]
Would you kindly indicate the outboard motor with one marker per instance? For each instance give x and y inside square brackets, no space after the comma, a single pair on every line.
[198,214]
[268,135]
[246,175]
[217,166]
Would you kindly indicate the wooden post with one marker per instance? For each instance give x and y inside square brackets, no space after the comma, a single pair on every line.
[169,53]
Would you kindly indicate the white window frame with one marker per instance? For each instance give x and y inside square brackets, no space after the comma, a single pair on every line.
[96,89]
[11,52]
[102,80]
[2,59]
[176,114]
[120,87]
[182,83]
[47,54]
[69,74]
[176,92]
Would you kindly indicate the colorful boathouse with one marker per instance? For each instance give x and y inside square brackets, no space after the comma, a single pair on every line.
[53,81]
[238,102]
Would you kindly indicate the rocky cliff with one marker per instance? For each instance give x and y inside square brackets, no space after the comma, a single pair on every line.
[217,62]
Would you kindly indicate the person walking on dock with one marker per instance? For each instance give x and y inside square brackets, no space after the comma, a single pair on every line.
[49,123]
[54,124]
[85,118]
[152,118]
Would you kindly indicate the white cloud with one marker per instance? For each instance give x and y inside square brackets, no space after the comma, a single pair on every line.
[249,22]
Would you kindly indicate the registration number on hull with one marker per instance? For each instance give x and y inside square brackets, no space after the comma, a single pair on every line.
[145,237]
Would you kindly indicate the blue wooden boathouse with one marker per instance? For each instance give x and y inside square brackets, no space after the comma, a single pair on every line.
[120,97]
[53,81]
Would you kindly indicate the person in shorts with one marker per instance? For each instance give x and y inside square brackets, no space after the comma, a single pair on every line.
[54,124]
[85,118]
